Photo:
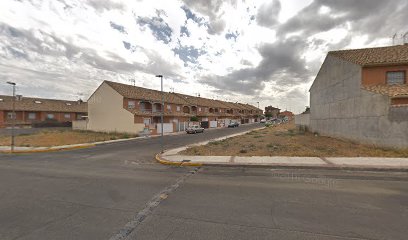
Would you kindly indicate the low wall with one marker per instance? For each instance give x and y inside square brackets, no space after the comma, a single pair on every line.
[302,120]
[80,125]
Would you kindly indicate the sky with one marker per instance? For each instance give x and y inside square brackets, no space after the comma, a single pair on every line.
[265,51]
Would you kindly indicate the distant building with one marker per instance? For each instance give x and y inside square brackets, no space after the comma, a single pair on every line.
[289,115]
[273,112]
[29,111]
[362,94]
[125,108]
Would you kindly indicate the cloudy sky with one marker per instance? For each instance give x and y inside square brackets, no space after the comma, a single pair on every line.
[237,50]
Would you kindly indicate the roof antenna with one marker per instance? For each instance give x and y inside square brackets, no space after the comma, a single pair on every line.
[393,39]
[405,38]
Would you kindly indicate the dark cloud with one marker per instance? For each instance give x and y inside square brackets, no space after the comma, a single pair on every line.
[43,47]
[160,29]
[118,27]
[212,9]
[268,13]
[105,5]
[281,63]
[376,18]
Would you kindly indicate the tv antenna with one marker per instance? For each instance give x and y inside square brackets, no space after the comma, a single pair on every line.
[405,38]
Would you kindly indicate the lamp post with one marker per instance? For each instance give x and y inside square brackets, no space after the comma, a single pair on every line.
[162,111]
[14,115]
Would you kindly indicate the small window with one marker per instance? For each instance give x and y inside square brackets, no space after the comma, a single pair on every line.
[1,100]
[32,116]
[178,108]
[169,107]
[50,116]
[67,116]
[146,121]
[396,77]
[11,115]
[199,109]
[131,104]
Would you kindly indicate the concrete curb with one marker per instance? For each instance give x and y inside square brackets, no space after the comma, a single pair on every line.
[164,161]
[51,149]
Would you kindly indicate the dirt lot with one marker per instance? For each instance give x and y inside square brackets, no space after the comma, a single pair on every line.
[49,138]
[285,140]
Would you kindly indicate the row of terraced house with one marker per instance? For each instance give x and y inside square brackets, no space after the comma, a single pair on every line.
[119,107]
[116,107]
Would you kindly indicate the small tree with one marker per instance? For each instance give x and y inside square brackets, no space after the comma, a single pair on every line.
[194,119]
[268,115]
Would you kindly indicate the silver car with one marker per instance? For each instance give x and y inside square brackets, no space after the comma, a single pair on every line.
[195,129]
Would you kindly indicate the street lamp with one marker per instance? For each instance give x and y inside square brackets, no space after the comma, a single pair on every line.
[162,112]
[14,115]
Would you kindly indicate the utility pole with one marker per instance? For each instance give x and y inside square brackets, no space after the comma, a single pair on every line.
[13,115]
[162,112]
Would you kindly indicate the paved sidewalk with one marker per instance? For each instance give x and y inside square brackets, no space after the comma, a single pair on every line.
[172,157]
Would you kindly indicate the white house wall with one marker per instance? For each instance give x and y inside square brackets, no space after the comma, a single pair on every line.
[106,112]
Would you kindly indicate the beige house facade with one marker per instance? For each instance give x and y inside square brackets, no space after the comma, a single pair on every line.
[116,107]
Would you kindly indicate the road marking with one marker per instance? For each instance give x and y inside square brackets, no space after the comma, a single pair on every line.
[150,206]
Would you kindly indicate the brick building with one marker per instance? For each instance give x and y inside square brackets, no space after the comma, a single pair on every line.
[29,110]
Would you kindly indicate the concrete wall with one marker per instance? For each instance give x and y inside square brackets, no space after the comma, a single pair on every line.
[302,120]
[106,112]
[80,125]
[340,108]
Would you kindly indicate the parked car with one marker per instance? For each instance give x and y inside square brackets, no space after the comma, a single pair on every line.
[195,129]
[263,120]
[233,124]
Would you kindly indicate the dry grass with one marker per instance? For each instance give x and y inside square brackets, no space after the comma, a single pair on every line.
[285,140]
[49,138]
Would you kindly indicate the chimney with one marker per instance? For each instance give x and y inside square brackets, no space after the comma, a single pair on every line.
[80,101]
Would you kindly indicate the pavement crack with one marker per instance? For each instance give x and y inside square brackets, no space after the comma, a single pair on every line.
[150,206]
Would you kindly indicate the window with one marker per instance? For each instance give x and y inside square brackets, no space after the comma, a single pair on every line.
[32,116]
[178,108]
[396,77]
[169,107]
[131,104]
[67,116]
[11,115]
[146,121]
[199,109]
[50,116]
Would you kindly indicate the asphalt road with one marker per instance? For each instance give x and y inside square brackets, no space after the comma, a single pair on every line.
[118,191]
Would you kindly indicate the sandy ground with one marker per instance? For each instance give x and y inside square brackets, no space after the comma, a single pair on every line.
[286,140]
[49,138]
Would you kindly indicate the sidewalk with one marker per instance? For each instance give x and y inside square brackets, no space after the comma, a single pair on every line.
[171,157]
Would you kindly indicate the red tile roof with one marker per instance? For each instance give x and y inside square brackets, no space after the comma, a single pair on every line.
[396,90]
[42,105]
[392,55]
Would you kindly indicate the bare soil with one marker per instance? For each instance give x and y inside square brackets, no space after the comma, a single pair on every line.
[48,138]
[286,140]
